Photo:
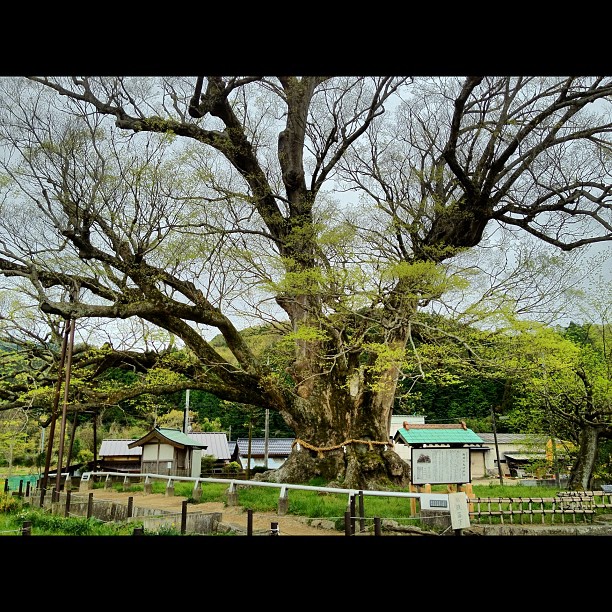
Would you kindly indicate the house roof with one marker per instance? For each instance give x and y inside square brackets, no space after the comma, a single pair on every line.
[514,438]
[277,447]
[118,448]
[215,442]
[435,433]
[397,421]
[525,456]
[174,437]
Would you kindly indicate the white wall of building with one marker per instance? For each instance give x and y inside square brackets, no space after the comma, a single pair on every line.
[150,452]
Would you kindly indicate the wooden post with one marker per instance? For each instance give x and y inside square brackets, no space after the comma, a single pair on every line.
[412,489]
[377,526]
[67,509]
[362,525]
[130,508]
[184,517]
[26,528]
[90,505]
[347,523]
[467,488]
[249,522]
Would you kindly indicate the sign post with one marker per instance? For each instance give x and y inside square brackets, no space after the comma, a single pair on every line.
[440,465]
[460,515]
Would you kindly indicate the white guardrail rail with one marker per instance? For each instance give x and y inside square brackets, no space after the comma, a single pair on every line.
[455,503]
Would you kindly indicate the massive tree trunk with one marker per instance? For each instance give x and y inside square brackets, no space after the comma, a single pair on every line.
[346,444]
[581,475]
[341,401]
[342,431]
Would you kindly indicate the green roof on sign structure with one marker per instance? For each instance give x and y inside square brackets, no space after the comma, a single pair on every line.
[430,435]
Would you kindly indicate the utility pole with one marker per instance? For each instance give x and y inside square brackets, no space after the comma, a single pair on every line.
[42,448]
[266,433]
[58,476]
[248,471]
[95,437]
[58,386]
[553,449]
[186,416]
[499,469]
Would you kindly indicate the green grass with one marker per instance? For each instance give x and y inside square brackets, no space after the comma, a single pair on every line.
[14,513]
[211,492]
[332,506]
[496,490]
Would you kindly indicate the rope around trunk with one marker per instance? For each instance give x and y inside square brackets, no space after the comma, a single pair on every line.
[321,449]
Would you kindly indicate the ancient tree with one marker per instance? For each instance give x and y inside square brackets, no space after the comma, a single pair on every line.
[328,208]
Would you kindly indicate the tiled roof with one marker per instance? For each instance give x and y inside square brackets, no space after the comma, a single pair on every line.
[514,438]
[438,434]
[435,426]
[216,443]
[175,436]
[118,448]
[277,447]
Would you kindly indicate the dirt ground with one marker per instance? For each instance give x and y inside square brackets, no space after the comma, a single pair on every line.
[236,516]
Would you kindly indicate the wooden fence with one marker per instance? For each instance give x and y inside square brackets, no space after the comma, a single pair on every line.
[565,506]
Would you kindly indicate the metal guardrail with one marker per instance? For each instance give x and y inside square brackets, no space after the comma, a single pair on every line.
[439,506]
[284,488]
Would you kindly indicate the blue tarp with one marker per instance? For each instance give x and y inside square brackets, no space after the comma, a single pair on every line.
[13,482]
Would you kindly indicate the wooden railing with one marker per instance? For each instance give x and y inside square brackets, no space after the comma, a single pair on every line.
[566,505]
[590,499]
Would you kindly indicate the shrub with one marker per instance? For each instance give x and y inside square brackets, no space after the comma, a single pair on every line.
[9,503]
[84,456]
[233,467]
[208,462]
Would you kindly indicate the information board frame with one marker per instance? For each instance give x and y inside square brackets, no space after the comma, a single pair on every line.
[437,465]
